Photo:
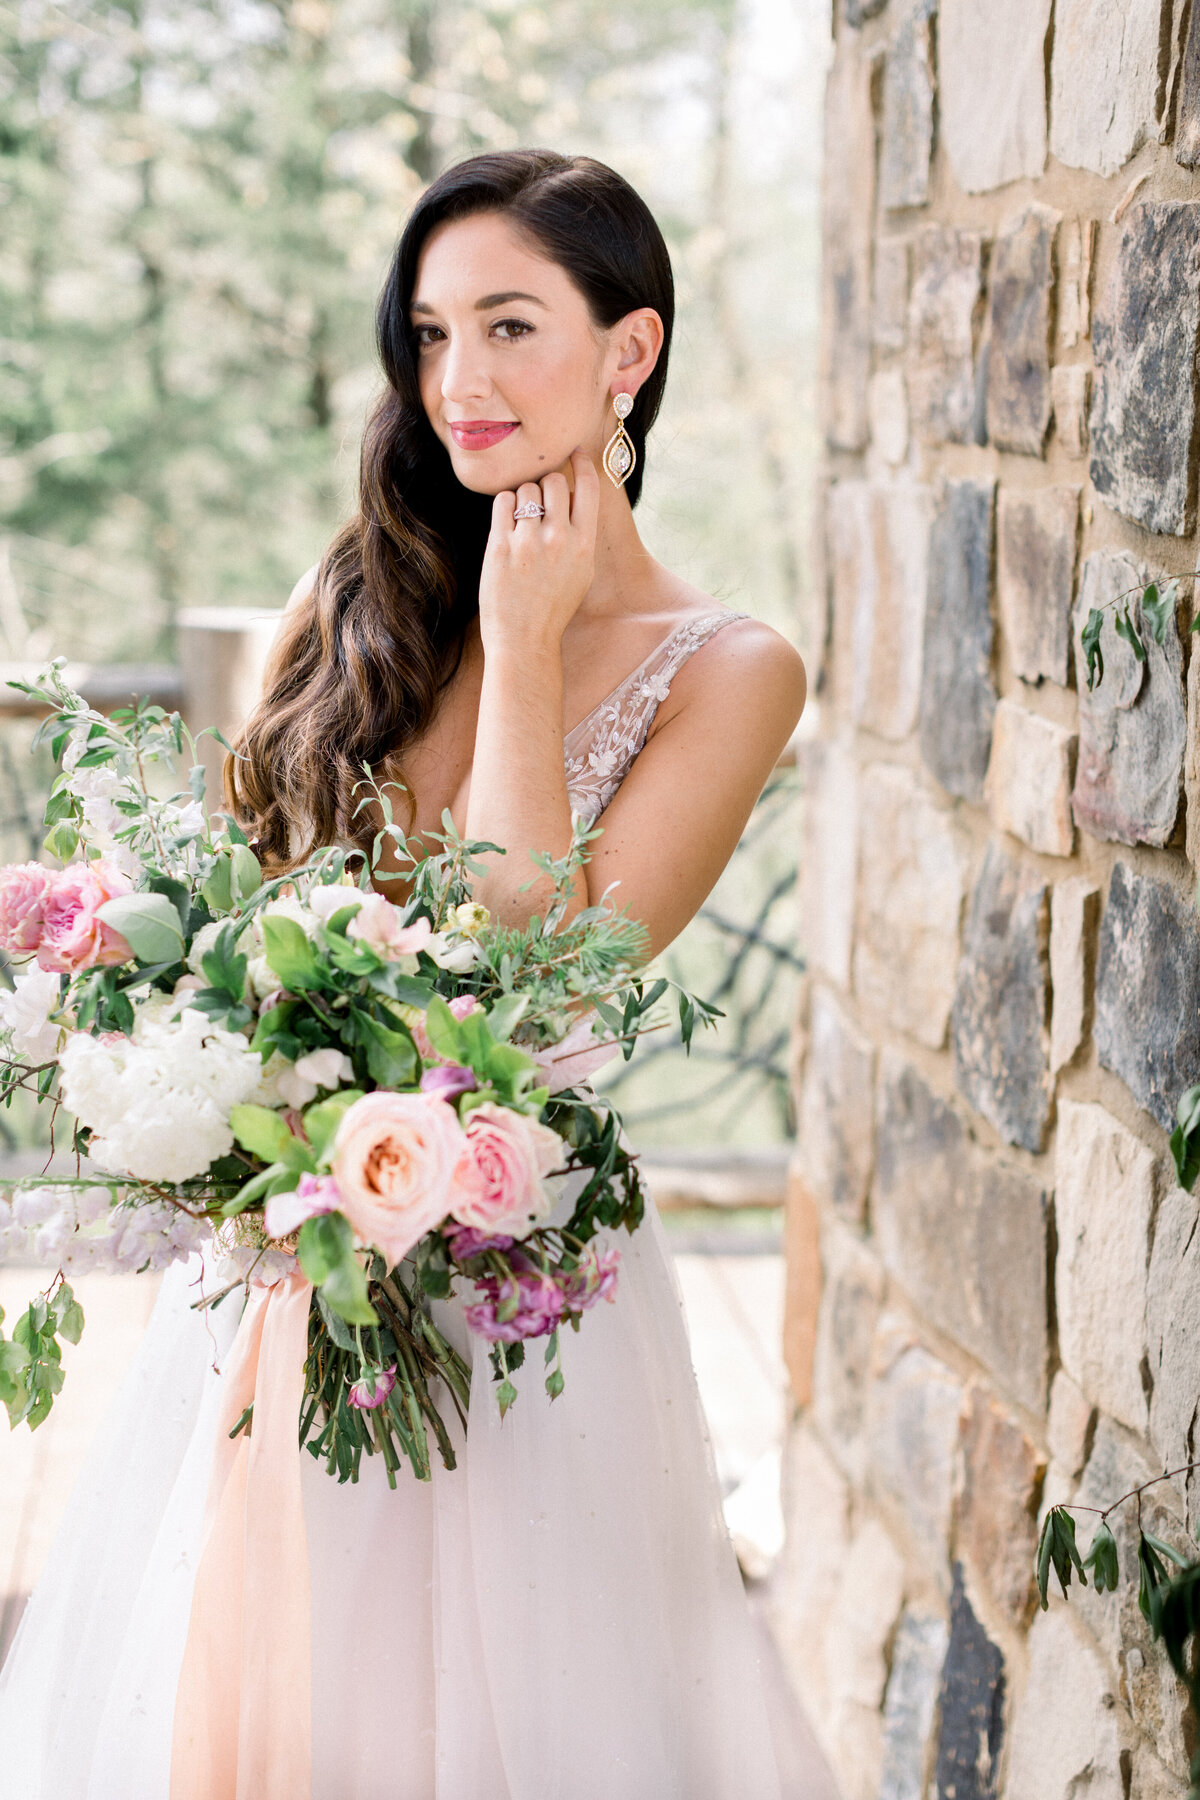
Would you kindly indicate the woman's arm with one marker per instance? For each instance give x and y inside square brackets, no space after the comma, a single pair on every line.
[535,574]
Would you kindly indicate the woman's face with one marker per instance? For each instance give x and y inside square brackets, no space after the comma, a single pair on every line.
[514,374]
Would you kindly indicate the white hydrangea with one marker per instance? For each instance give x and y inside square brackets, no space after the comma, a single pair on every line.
[24,1015]
[159,1102]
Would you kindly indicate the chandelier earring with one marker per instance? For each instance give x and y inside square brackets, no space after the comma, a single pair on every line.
[619,453]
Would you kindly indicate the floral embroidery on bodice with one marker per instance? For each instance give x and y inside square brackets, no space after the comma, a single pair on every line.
[599,752]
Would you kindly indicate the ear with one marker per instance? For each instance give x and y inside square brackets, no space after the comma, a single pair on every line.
[637,343]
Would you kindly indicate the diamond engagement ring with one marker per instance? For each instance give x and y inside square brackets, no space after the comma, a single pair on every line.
[530,510]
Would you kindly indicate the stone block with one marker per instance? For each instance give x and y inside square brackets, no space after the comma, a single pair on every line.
[890,294]
[850,1307]
[912,1423]
[971,1734]
[856,1645]
[1019,288]
[878,547]
[1104,1203]
[1076,249]
[1074,910]
[945,313]
[1104,81]
[996,1512]
[906,144]
[962,1232]
[993,106]
[1155,1698]
[829,866]
[1066,1736]
[1150,1779]
[837,1108]
[909,905]
[1173,1328]
[1070,395]
[910,1705]
[1037,533]
[1069,1424]
[1147,1027]
[1187,118]
[958,693]
[1145,335]
[887,406]
[1191,763]
[1029,776]
[998,1025]
[849,204]
[802,1295]
[1133,723]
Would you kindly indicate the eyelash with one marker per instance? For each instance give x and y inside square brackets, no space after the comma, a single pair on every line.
[524,328]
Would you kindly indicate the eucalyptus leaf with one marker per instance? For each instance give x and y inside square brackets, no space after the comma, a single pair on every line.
[149,924]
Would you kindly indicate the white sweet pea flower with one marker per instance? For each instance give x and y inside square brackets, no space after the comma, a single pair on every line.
[25,1015]
[451,951]
[286,906]
[297,1083]
[202,943]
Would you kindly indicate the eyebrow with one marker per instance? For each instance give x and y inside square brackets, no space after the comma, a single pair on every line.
[484,305]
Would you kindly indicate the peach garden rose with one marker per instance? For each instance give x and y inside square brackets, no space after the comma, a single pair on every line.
[394,1162]
[74,937]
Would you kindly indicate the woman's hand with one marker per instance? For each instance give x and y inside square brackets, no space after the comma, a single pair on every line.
[536,571]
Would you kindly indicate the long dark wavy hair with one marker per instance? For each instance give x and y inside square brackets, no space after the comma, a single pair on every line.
[360,666]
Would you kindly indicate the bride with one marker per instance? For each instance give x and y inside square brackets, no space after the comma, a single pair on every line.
[561,1618]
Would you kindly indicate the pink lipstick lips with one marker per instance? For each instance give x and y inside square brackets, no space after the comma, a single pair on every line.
[481,434]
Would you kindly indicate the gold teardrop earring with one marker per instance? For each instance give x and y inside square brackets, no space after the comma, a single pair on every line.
[619,453]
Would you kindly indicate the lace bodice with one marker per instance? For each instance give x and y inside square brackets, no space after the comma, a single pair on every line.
[600,751]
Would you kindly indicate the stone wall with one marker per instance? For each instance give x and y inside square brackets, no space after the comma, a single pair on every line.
[999,873]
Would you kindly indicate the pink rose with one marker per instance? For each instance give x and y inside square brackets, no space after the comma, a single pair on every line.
[500,1187]
[394,1159]
[23,890]
[380,924]
[372,1389]
[460,1006]
[73,937]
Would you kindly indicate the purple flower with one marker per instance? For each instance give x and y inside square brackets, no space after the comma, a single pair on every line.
[594,1279]
[372,1389]
[286,1213]
[448,1080]
[541,1305]
[465,1241]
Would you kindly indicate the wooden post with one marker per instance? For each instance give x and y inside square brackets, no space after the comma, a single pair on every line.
[223,652]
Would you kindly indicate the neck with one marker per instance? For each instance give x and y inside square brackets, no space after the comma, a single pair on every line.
[623,562]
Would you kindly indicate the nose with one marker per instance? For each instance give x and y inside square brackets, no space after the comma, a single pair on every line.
[464,374]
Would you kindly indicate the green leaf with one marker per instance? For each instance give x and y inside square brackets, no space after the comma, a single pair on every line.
[265,1134]
[1167,1550]
[322,1120]
[506,1394]
[335,1325]
[1128,630]
[326,1250]
[277,1179]
[554,1383]
[1185,1149]
[506,1014]
[149,924]
[69,1314]
[1159,608]
[1090,639]
[1103,1560]
[290,954]
[62,840]
[224,966]
[443,1030]
[246,873]
[392,1056]
[1152,1575]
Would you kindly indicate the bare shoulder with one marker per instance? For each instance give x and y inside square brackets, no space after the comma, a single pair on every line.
[302,589]
[746,663]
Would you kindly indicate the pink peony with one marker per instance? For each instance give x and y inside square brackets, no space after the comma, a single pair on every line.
[73,937]
[372,1389]
[394,1160]
[381,925]
[541,1306]
[460,1006]
[500,1187]
[23,891]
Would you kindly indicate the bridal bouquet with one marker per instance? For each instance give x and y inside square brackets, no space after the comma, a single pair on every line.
[298,1068]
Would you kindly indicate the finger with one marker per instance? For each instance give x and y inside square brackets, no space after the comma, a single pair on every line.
[585,502]
[529,493]
[556,498]
[503,507]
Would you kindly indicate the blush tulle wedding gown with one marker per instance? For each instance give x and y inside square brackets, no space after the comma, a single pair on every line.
[561,1618]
